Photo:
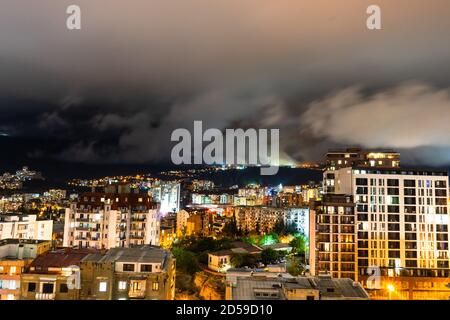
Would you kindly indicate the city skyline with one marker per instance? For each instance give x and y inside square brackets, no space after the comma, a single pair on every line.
[67,98]
[259,153]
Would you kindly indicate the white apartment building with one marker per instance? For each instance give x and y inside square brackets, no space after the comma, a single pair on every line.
[169,196]
[299,218]
[402,219]
[105,221]
[25,226]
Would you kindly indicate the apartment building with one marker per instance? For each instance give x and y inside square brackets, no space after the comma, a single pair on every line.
[15,256]
[24,226]
[109,220]
[145,272]
[264,219]
[355,157]
[245,284]
[402,227]
[298,218]
[53,275]
[333,237]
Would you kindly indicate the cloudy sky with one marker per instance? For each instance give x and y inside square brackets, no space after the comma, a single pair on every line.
[114,91]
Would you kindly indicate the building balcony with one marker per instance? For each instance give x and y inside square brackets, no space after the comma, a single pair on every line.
[44,296]
[136,237]
[137,227]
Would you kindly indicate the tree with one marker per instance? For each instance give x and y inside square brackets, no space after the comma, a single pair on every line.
[231,230]
[299,244]
[282,228]
[237,260]
[186,260]
[269,256]
[294,267]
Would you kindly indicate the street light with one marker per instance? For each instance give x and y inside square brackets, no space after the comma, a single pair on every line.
[390,288]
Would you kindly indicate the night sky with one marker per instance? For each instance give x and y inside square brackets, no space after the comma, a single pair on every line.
[111,93]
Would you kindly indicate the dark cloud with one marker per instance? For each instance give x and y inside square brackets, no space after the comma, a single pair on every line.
[115,90]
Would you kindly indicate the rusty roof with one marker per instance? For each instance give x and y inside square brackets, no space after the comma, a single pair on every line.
[60,258]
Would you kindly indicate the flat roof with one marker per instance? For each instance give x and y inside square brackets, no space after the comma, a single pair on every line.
[245,284]
[403,171]
[21,241]
[142,254]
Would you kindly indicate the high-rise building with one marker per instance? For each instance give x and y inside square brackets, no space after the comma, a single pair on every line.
[108,220]
[170,197]
[333,237]
[354,157]
[401,221]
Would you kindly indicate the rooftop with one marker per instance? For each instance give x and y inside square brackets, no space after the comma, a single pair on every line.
[245,282]
[403,171]
[21,241]
[60,258]
[149,254]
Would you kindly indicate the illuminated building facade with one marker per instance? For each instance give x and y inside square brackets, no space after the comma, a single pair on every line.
[333,237]
[354,157]
[170,197]
[24,226]
[145,272]
[15,256]
[53,276]
[402,229]
[107,220]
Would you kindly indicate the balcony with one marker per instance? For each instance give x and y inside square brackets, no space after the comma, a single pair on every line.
[137,237]
[44,296]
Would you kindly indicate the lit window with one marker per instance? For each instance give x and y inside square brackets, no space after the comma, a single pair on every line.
[12,285]
[12,270]
[102,286]
[10,297]
[155,286]
[122,285]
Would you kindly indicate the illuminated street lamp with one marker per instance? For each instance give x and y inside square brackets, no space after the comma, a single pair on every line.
[391,289]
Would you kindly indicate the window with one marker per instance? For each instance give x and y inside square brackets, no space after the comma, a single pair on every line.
[146,268]
[128,267]
[155,286]
[1,269]
[63,288]
[440,184]
[409,183]
[12,285]
[393,191]
[392,182]
[12,270]
[122,285]
[361,181]
[31,287]
[102,286]
[47,288]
